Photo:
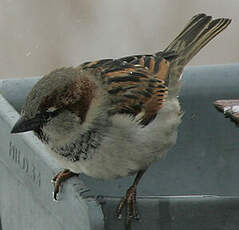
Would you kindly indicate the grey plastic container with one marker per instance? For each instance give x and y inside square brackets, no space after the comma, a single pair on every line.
[195,187]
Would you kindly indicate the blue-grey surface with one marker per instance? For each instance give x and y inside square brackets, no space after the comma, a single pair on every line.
[179,213]
[204,161]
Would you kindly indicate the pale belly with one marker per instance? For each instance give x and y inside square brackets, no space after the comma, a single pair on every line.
[127,147]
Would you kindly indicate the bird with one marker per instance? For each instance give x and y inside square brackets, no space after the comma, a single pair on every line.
[112,118]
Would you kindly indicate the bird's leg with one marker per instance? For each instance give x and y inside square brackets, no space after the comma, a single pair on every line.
[129,200]
[59,178]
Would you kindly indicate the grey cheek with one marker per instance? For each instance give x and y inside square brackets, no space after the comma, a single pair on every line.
[63,124]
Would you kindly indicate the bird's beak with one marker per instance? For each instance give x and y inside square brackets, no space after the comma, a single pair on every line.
[24,124]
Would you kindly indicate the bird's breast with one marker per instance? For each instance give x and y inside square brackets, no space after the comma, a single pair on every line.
[127,147]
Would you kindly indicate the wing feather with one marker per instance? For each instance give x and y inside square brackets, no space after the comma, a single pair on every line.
[135,84]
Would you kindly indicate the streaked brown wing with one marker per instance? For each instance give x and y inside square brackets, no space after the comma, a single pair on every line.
[135,91]
[135,83]
[157,65]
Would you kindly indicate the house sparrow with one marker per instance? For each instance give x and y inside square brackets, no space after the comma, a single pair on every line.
[112,118]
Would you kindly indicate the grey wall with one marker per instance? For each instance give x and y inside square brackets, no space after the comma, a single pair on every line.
[38,36]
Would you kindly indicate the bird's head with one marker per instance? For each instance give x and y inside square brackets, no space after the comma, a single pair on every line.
[58,104]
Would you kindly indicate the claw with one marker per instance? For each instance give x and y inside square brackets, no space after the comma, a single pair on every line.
[119,216]
[129,202]
[58,179]
[55,197]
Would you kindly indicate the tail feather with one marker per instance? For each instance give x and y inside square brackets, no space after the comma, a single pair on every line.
[190,31]
[214,28]
[200,30]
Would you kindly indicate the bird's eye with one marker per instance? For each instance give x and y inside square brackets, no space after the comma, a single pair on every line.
[46,115]
[51,109]
[54,113]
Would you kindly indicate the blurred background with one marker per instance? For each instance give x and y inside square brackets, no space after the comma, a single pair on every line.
[39,36]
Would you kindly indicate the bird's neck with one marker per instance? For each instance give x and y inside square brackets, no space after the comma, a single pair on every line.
[82,147]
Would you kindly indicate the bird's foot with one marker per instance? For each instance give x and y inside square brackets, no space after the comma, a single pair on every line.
[59,178]
[129,201]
